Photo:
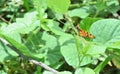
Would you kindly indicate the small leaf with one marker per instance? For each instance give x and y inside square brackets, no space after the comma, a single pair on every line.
[79,12]
[40,6]
[53,26]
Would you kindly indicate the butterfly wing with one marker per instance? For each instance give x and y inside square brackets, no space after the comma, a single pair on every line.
[83,33]
[91,36]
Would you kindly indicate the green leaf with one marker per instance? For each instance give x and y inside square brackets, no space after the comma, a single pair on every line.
[50,41]
[46,44]
[60,6]
[6,52]
[86,23]
[79,12]
[40,6]
[52,45]
[116,61]
[20,47]
[103,64]
[79,56]
[47,72]
[93,50]
[116,45]
[23,25]
[2,72]
[15,36]
[89,52]
[112,6]
[84,71]
[70,54]
[53,26]
[26,4]
[116,55]
[106,31]
[85,59]
[65,72]
[63,39]
[101,4]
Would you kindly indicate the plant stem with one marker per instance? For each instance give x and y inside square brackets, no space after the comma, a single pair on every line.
[97,12]
[3,19]
[34,61]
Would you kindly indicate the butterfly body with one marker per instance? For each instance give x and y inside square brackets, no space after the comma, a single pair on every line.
[84,33]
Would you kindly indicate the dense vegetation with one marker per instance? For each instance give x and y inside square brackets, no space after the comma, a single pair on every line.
[59,36]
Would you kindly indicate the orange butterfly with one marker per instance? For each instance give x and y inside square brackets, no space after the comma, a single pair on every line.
[84,33]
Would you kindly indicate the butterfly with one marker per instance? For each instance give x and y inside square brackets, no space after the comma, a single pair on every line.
[84,33]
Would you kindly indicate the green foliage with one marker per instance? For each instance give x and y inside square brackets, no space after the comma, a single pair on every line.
[22,26]
[86,25]
[6,52]
[79,12]
[71,48]
[84,71]
[45,30]
[59,6]
[106,31]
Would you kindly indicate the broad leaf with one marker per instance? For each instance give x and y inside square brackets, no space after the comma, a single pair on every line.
[23,25]
[69,50]
[106,31]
